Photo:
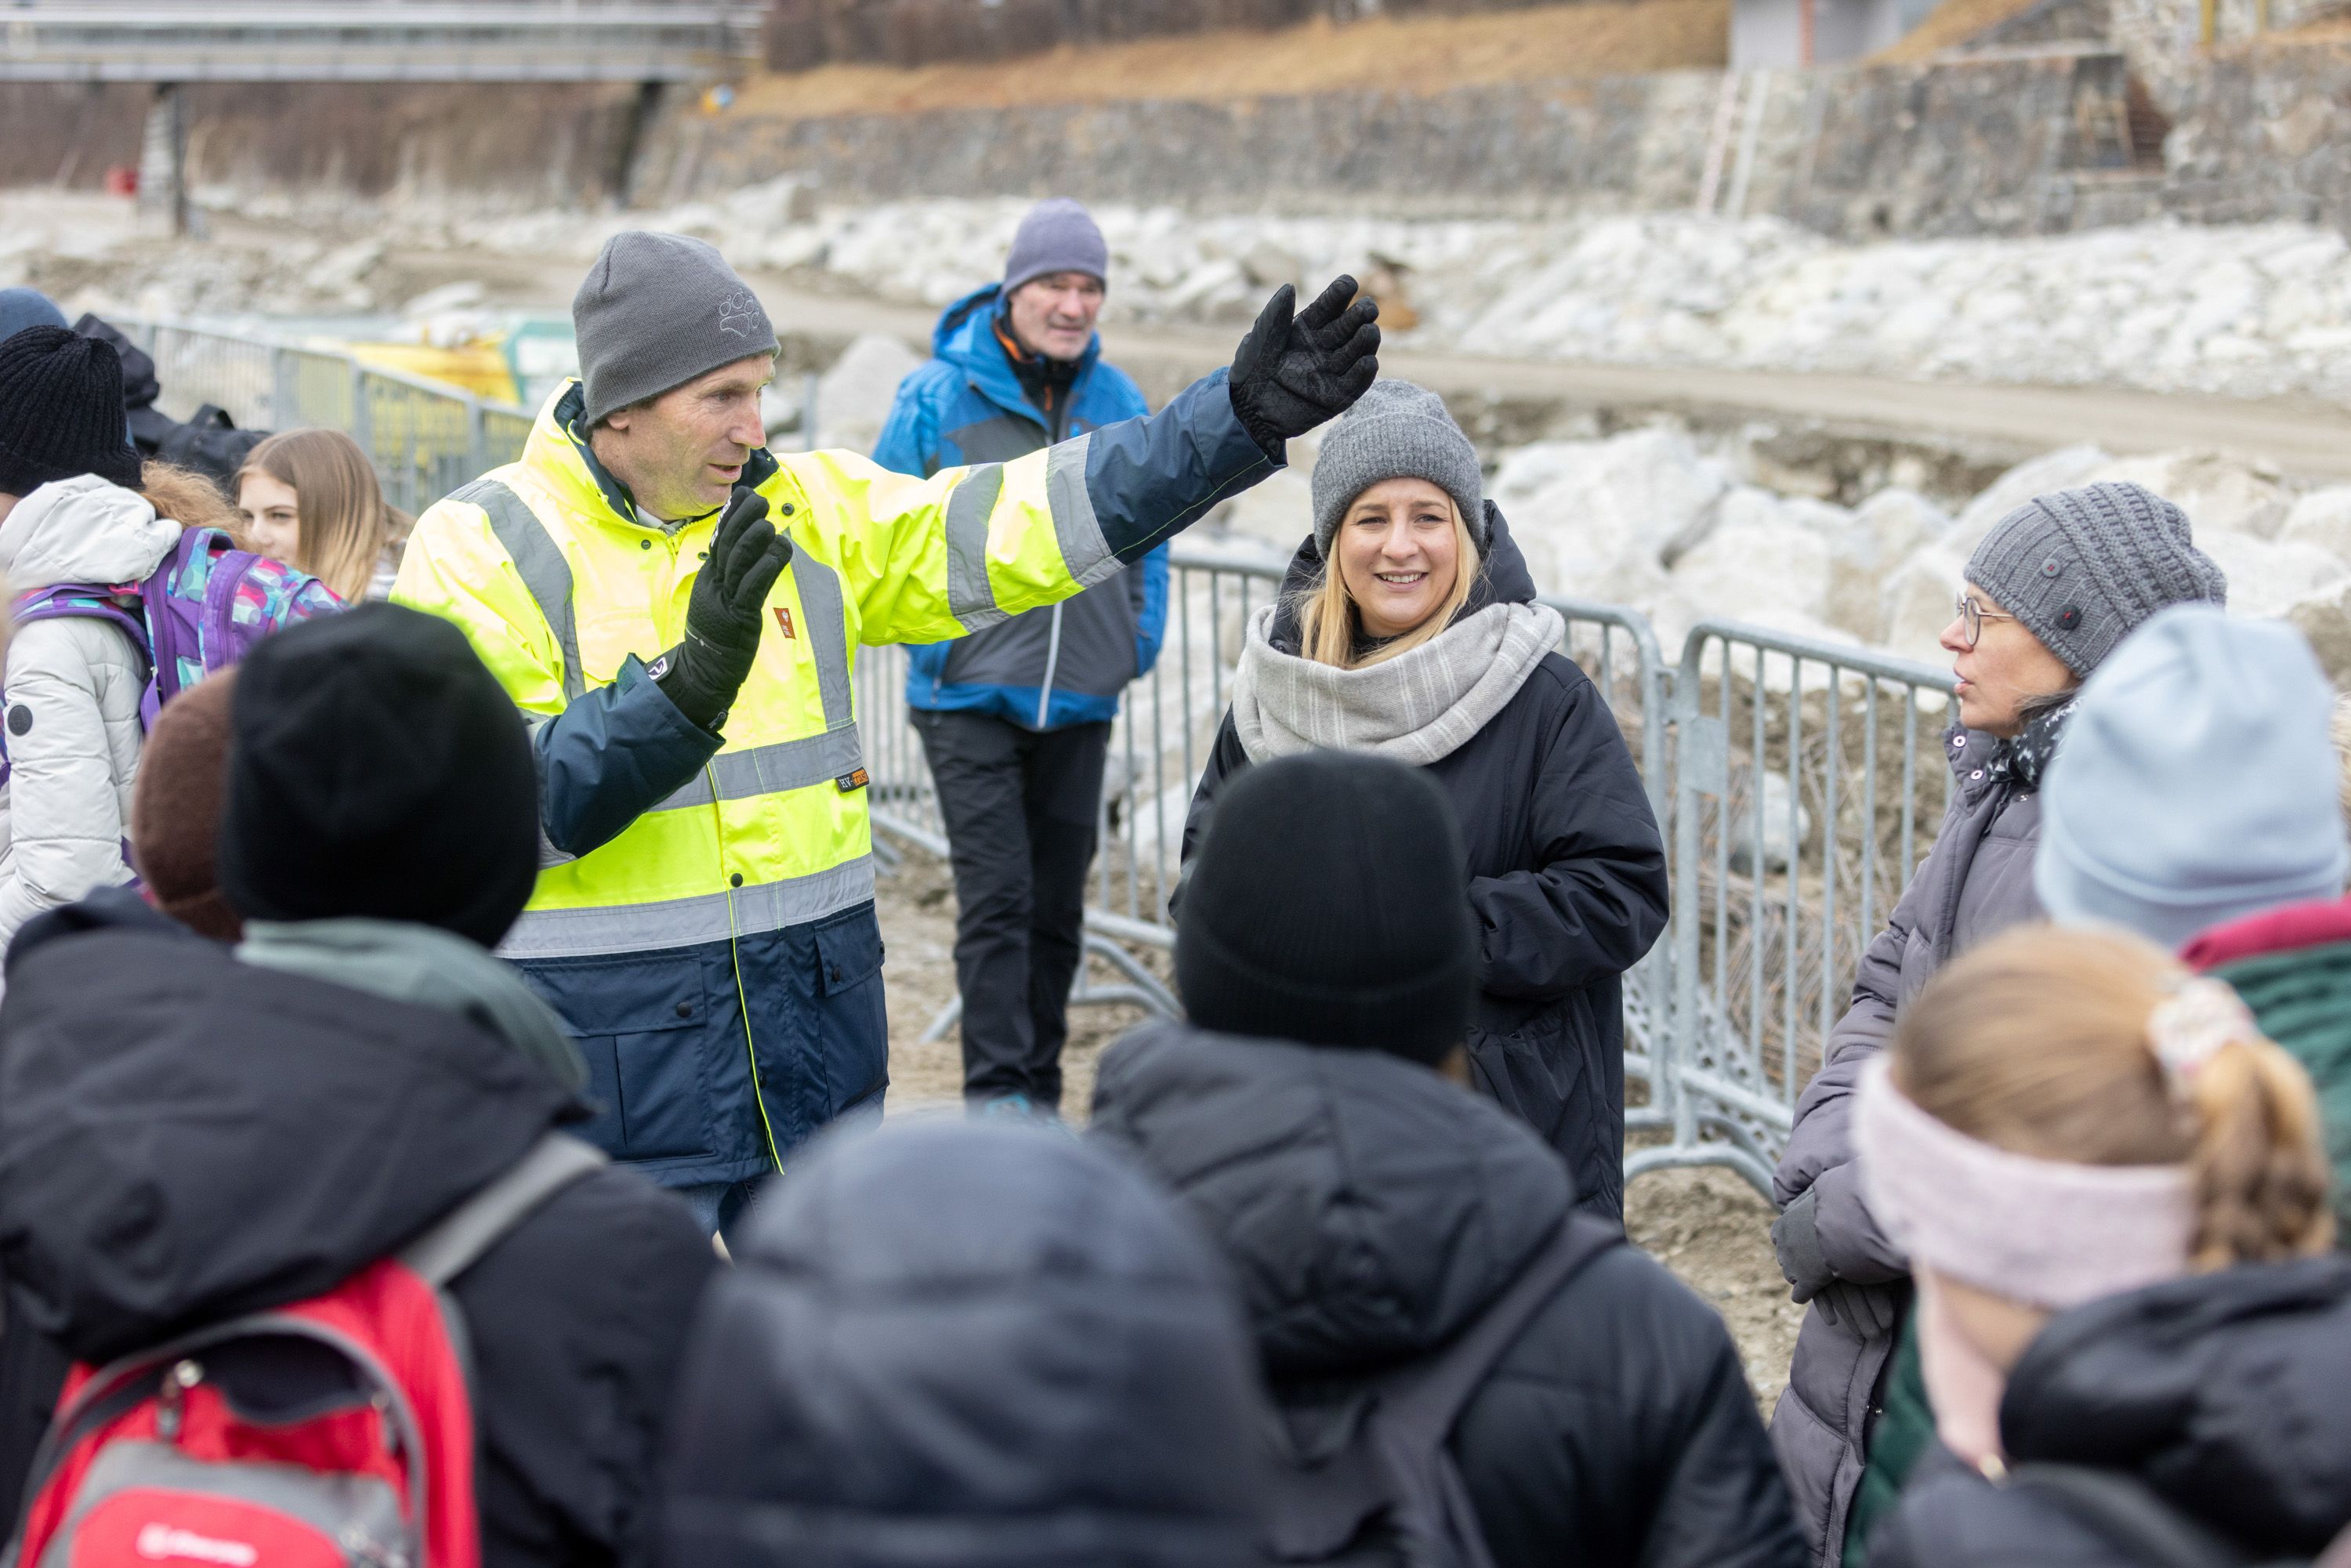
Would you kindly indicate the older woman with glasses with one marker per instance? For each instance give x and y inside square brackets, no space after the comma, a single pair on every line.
[2050,592]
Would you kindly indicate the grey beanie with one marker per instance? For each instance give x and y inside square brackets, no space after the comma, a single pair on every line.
[2083,569]
[1058,235]
[2198,783]
[1395,431]
[657,310]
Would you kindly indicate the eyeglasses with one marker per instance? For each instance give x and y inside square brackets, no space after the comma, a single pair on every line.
[1973,616]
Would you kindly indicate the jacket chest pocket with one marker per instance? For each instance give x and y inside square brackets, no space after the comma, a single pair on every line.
[640,1025]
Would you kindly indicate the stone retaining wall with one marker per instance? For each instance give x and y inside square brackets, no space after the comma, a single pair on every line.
[2041,141]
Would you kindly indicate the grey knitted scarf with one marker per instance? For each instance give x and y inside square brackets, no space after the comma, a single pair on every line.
[1416,707]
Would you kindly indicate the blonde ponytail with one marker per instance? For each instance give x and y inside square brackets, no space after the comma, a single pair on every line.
[2257,1160]
[2044,1041]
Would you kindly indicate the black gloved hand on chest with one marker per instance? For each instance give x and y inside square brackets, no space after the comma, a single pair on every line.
[1293,371]
[726,613]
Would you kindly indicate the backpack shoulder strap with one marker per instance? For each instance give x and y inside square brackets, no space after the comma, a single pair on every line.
[1424,1401]
[2130,1513]
[479,1224]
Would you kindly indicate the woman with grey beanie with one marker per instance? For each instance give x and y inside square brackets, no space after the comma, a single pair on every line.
[2049,593]
[1408,627]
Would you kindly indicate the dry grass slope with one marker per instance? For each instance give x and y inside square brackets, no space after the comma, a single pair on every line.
[1413,55]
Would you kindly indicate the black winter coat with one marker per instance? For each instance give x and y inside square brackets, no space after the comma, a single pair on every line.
[2229,1393]
[1371,1210]
[183,1137]
[1567,874]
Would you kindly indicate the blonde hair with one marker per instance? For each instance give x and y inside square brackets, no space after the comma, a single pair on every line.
[2037,1042]
[189,498]
[1325,610]
[345,525]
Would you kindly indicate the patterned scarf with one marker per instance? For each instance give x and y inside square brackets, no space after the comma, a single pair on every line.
[2024,757]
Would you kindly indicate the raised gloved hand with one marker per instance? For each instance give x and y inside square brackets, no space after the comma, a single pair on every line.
[1295,370]
[727,612]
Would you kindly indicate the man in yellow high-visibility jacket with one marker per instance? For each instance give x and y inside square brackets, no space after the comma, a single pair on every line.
[678,613]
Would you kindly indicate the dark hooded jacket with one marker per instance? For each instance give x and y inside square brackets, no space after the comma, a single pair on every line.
[184,1137]
[1372,1211]
[2229,1393]
[964,1344]
[1567,876]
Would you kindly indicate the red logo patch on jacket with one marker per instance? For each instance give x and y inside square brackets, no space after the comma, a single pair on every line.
[784,620]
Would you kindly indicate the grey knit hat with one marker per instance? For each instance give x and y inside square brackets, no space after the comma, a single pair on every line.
[2082,569]
[657,310]
[1395,431]
[1058,235]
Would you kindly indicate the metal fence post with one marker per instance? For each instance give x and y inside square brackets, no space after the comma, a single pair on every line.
[282,399]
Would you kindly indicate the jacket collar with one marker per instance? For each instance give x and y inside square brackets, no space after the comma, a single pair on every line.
[2318,923]
[966,339]
[559,447]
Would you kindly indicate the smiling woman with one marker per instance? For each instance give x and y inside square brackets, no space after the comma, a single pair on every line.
[1406,565]
[1409,627]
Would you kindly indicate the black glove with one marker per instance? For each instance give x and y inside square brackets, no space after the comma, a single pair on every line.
[1865,1310]
[728,611]
[1796,1237]
[1293,371]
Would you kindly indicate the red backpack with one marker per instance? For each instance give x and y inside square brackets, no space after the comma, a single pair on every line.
[336,1432]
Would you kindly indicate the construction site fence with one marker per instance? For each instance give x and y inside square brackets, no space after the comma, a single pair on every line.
[425,437]
[1796,780]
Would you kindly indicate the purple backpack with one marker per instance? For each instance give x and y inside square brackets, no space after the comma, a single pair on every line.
[201,611]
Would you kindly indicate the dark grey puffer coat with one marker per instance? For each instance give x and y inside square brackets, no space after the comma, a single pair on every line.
[1975,882]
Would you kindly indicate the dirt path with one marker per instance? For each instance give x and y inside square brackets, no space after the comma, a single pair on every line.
[1709,1227]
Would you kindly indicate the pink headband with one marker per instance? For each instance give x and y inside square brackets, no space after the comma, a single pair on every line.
[2045,1232]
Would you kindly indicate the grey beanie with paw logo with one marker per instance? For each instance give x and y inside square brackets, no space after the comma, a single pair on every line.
[657,310]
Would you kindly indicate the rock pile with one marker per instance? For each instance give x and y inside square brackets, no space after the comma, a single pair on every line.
[1651,519]
[2254,311]
[2251,311]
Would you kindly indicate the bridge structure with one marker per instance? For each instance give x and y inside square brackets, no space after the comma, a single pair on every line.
[169,42]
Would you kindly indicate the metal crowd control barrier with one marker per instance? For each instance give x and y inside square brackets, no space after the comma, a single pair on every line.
[425,437]
[1802,776]
[1797,780]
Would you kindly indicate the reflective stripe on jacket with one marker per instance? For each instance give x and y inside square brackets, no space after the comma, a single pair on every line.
[1062,667]
[705,917]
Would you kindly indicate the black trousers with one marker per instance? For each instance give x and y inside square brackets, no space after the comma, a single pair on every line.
[1020,810]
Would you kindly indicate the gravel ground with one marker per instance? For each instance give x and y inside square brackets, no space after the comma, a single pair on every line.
[1707,1226]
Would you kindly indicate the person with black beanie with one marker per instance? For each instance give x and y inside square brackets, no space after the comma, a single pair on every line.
[309,1101]
[70,512]
[61,413]
[1375,1212]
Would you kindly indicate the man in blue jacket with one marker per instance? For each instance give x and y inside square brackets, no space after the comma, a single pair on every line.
[1016,719]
